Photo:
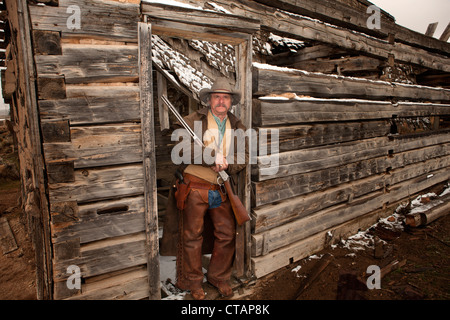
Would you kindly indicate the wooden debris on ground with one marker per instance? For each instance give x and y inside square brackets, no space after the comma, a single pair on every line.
[317,270]
[392,266]
[7,240]
[423,218]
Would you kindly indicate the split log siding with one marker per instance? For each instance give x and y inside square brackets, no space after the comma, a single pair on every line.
[341,159]
[267,81]
[88,105]
[271,113]
[105,20]
[87,85]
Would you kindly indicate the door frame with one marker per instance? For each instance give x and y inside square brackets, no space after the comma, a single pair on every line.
[199,25]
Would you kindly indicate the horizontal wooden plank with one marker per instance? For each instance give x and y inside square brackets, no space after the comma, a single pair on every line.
[98,19]
[307,160]
[272,215]
[101,228]
[80,63]
[203,18]
[295,137]
[176,29]
[346,66]
[96,146]
[101,220]
[269,80]
[274,190]
[300,229]
[93,104]
[289,186]
[104,257]
[312,159]
[100,184]
[109,208]
[128,285]
[275,112]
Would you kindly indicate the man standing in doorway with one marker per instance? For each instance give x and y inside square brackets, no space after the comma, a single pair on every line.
[201,200]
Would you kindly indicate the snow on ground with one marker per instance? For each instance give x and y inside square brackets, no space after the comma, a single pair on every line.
[168,276]
[168,271]
[364,240]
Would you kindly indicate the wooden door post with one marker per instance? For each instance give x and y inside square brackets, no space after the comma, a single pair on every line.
[149,159]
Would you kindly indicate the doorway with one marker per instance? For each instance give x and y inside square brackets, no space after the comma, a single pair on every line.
[179,26]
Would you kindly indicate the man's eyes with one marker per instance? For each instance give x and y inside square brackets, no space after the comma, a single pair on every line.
[223,97]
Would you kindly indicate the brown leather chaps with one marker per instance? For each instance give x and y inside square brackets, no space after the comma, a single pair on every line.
[189,256]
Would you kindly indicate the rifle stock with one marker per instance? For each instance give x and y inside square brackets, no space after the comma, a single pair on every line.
[240,213]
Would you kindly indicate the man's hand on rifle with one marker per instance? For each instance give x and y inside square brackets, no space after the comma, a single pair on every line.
[220,163]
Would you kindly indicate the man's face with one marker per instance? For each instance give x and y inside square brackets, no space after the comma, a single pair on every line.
[220,104]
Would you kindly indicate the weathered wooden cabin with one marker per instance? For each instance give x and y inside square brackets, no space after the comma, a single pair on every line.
[362,115]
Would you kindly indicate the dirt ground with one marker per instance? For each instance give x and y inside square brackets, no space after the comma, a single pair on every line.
[424,252]
[17,268]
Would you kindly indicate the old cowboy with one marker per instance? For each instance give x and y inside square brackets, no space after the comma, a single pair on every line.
[199,215]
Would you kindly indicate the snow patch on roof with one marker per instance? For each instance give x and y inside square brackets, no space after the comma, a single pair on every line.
[292,44]
[167,58]
[219,8]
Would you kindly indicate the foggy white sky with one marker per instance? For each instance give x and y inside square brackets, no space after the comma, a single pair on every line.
[418,14]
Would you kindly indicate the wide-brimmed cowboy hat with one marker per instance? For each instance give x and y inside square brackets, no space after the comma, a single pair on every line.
[220,86]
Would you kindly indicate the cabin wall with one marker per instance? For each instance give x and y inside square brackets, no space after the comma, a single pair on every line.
[18,91]
[88,101]
[349,148]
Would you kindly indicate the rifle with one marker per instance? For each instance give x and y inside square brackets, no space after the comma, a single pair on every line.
[239,210]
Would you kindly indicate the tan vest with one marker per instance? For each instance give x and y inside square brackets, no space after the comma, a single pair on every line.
[210,139]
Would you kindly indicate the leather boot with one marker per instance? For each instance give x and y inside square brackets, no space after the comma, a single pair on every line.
[223,287]
[196,292]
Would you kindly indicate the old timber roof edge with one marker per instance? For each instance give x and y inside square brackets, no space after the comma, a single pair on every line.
[356,18]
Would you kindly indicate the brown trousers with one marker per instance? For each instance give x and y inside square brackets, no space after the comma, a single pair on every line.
[189,258]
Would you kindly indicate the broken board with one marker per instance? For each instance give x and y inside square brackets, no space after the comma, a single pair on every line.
[7,240]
